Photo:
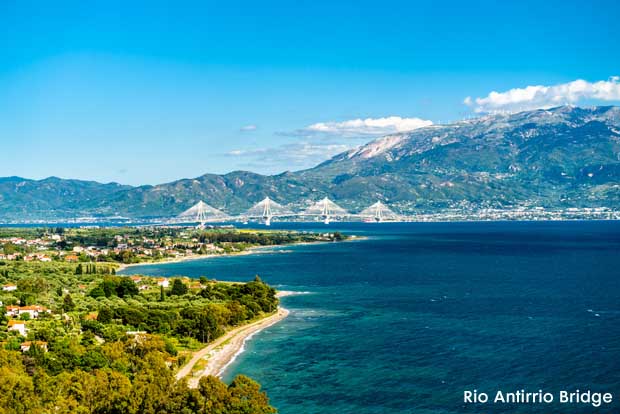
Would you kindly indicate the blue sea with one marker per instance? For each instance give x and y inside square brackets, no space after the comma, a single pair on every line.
[413,315]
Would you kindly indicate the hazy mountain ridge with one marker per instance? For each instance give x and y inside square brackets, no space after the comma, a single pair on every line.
[557,158]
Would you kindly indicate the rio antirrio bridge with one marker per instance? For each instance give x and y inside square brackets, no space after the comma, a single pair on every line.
[268,210]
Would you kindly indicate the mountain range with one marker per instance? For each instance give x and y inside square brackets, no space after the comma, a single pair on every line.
[553,158]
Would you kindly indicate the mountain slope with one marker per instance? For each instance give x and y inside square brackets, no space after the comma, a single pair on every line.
[50,198]
[557,158]
[562,157]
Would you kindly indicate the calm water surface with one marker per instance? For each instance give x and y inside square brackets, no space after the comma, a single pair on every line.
[407,319]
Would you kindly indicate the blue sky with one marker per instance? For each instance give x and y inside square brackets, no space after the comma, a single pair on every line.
[157,91]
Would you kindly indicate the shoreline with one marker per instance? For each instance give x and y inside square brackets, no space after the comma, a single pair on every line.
[249,251]
[220,353]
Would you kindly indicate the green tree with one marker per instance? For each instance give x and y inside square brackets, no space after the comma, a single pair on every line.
[10,248]
[178,288]
[3,317]
[215,393]
[97,292]
[247,398]
[109,287]
[34,285]
[337,236]
[105,315]
[67,303]
[16,386]
[126,287]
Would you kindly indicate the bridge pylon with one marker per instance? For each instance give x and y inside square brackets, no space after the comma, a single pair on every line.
[326,209]
[266,210]
[202,213]
[379,212]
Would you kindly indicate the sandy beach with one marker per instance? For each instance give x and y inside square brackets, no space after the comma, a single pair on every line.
[221,352]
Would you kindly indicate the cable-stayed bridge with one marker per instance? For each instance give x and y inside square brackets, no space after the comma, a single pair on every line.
[267,210]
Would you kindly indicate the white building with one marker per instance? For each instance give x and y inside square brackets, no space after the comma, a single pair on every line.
[163,282]
[19,326]
[33,311]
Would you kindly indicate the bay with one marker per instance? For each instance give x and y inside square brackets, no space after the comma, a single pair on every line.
[414,314]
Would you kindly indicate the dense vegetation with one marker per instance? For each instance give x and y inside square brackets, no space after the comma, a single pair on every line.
[122,377]
[177,312]
[103,343]
[92,364]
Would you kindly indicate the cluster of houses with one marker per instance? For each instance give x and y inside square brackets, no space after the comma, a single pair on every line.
[19,325]
[37,257]
[163,282]
[146,247]
[38,244]
[27,257]
[33,311]
[143,247]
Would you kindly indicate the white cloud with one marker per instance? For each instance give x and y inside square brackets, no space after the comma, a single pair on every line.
[539,96]
[321,141]
[248,128]
[289,156]
[369,126]
[315,152]
[241,153]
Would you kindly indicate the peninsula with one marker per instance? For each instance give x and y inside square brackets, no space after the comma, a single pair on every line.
[66,318]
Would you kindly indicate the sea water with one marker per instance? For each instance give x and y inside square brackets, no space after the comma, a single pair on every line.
[416,314]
